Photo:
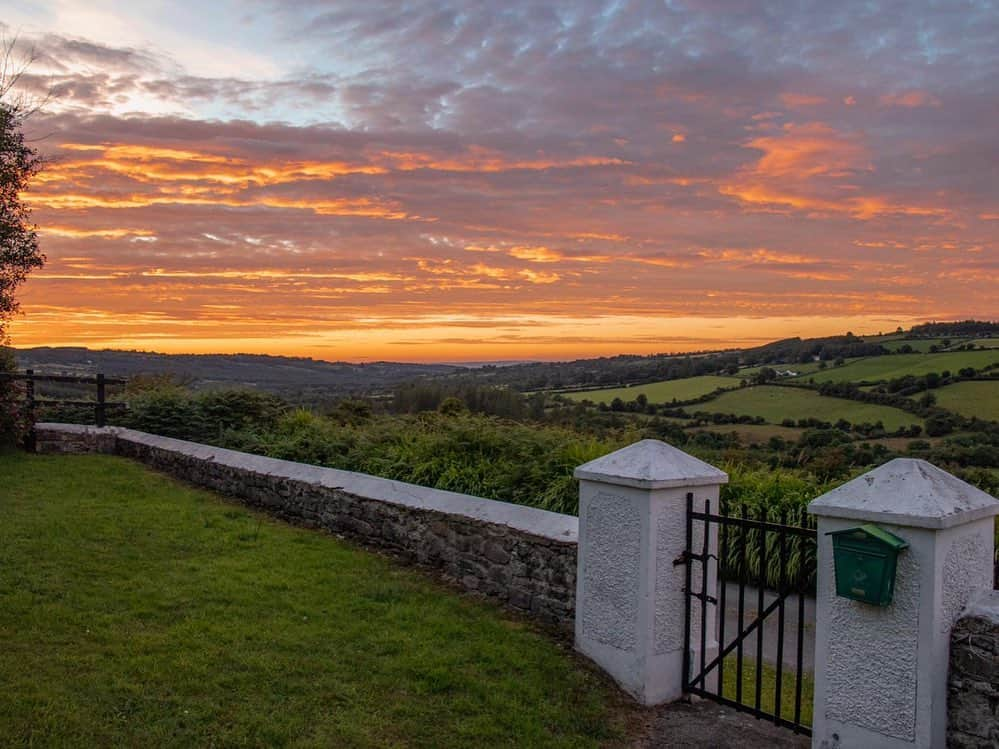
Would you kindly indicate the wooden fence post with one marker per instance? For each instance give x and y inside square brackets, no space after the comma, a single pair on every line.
[100,408]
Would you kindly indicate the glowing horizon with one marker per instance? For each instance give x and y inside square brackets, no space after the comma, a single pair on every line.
[464,185]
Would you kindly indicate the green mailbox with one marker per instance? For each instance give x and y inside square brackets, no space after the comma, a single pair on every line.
[865,559]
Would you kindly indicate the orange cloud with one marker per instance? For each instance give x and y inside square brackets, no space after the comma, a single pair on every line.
[909,100]
[481,159]
[800,101]
[74,233]
[150,164]
[337,207]
[806,151]
[809,168]
[759,255]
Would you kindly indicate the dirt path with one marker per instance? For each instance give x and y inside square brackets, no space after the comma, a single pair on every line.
[706,725]
[770,626]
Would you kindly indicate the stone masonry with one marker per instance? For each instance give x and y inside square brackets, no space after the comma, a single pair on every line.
[973,694]
[523,556]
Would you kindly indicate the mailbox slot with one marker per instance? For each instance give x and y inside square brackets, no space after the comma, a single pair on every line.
[866,560]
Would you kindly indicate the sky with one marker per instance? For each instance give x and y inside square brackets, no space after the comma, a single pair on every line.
[445,181]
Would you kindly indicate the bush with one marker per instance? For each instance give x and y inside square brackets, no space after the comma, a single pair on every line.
[457,451]
[169,411]
[15,423]
[173,411]
[238,408]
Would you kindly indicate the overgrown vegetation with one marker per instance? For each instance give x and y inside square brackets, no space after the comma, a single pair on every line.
[479,438]
[499,444]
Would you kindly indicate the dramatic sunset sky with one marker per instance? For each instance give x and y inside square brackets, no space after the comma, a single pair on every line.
[435,180]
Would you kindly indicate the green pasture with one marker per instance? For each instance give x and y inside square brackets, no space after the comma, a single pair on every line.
[137,612]
[972,398]
[775,404]
[888,367]
[804,368]
[921,345]
[660,392]
[750,433]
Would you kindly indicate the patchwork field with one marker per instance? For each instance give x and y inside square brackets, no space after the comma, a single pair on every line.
[923,344]
[898,365]
[750,433]
[660,392]
[974,398]
[805,368]
[775,403]
[919,344]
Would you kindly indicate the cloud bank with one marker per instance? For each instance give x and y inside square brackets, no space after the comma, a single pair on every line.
[519,180]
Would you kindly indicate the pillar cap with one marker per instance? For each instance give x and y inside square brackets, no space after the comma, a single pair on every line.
[651,464]
[908,492]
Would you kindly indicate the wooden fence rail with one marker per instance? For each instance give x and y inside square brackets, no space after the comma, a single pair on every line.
[101,404]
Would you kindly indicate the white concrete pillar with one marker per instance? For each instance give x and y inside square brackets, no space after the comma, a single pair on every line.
[881,672]
[629,593]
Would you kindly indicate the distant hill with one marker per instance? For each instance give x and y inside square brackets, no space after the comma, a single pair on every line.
[625,370]
[971,328]
[303,376]
[276,373]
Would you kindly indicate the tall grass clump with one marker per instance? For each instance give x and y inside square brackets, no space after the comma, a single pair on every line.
[781,497]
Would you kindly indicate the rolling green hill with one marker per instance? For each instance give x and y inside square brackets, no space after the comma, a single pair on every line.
[660,392]
[898,365]
[803,368]
[919,344]
[973,398]
[775,404]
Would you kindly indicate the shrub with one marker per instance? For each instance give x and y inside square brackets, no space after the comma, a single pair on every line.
[15,422]
[169,411]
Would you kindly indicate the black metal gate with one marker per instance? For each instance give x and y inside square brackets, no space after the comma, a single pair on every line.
[764,608]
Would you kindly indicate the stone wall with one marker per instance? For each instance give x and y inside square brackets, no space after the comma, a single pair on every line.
[973,694]
[523,556]
[73,438]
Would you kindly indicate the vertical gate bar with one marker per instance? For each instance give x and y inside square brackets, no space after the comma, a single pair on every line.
[742,605]
[802,577]
[761,586]
[100,416]
[705,550]
[686,597]
[782,575]
[720,582]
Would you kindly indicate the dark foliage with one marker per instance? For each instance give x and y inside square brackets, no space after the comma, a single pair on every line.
[19,252]
[956,329]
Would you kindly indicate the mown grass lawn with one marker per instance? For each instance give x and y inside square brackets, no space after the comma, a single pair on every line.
[135,611]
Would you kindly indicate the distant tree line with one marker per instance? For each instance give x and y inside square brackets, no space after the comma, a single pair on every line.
[965,328]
